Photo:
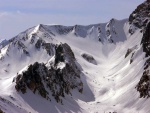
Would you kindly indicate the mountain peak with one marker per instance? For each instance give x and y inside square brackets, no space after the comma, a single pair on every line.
[97,68]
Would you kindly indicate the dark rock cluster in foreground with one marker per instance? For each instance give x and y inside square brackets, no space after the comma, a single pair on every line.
[140,18]
[57,77]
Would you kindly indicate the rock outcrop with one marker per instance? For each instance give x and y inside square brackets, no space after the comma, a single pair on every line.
[140,18]
[146,40]
[57,77]
[141,15]
[89,58]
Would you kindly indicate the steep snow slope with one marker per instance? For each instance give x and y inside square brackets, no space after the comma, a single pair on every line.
[112,81]
[108,86]
[105,60]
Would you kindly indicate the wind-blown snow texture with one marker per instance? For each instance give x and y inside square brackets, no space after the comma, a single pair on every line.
[99,68]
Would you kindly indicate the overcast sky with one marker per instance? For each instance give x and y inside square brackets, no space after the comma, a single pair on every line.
[19,15]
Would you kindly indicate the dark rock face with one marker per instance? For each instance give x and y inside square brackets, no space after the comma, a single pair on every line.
[63,30]
[146,40]
[59,57]
[143,86]
[39,43]
[61,81]
[32,79]
[128,52]
[49,47]
[140,18]
[131,51]
[59,78]
[89,58]
[141,15]
[110,28]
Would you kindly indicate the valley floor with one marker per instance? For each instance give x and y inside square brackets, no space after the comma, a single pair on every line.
[110,85]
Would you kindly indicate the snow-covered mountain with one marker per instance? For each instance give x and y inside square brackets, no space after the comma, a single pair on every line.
[100,68]
[3,43]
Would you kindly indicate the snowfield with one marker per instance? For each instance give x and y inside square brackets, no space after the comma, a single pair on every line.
[108,86]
